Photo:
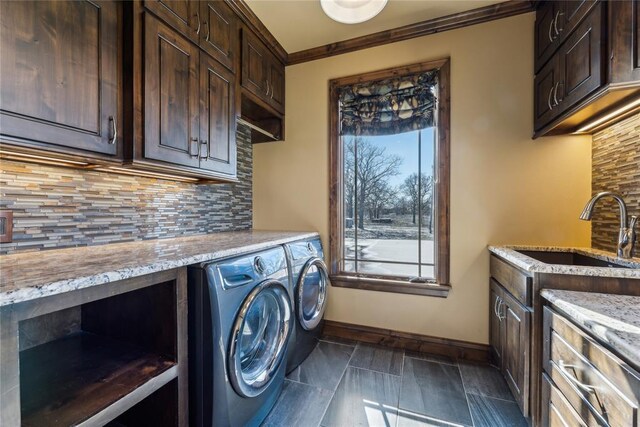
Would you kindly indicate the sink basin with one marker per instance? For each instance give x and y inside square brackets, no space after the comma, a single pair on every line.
[569,258]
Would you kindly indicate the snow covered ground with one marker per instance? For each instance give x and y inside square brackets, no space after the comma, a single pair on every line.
[402,250]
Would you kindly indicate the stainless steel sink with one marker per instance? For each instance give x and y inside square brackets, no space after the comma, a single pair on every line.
[569,258]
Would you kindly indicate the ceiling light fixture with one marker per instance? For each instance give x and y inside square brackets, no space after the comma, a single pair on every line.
[352,11]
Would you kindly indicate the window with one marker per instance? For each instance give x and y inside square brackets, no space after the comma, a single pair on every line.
[389,195]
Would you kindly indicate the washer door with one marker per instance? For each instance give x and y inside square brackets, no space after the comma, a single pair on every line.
[259,337]
[311,297]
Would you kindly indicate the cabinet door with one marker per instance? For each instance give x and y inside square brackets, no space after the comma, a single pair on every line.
[276,84]
[217,117]
[255,69]
[624,32]
[581,60]
[218,35]
[545,84]
[516,349]
[545,35]
[60,75]
[494,325]
[170,95]
[183,15]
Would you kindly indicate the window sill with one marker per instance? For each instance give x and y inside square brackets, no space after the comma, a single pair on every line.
[391,285]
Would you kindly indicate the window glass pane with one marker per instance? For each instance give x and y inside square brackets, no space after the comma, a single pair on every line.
[386,204]
[386,269]
[428,205]
[348,191]
[387,230]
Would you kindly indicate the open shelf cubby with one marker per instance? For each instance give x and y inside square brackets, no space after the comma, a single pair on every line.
[100,356]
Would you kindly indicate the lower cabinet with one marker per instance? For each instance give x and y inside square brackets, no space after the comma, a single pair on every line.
[510,339]
[584,384]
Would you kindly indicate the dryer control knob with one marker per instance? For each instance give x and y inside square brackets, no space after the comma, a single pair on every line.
[259,265]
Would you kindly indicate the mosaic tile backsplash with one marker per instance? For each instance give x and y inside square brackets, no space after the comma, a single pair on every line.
[615,167]
[55,207]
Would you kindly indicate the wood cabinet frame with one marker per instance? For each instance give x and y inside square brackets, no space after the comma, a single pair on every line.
[11,315]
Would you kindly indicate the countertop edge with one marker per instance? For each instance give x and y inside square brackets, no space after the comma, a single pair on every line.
[526,263]
[34,292]
[606,336]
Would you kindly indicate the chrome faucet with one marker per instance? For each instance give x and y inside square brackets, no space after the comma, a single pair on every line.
[627,234]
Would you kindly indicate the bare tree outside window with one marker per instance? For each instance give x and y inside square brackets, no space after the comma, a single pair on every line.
[388,212]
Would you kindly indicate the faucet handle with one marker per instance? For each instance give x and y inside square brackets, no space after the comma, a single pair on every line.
[632,222]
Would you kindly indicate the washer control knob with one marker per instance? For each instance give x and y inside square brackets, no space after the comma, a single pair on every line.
[310,247]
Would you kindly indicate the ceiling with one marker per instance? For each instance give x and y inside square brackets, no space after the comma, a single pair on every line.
[301,24]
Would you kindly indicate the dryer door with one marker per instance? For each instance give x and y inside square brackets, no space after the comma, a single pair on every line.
[311,294]
[259,337]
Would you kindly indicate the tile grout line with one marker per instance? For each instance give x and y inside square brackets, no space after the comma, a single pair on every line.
[492,397]
[434,361]
[466,397]
[333,393]
[404,355]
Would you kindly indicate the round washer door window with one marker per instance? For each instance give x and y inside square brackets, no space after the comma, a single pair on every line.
[311,298]
[258,338]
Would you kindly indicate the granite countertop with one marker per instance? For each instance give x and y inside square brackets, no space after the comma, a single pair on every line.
[612,319]
[33,275]
[534,266]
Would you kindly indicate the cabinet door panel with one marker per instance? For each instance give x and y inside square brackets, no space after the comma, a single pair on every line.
[544,33]
[59,72]
[625,41]
[516,344]
[171,95]
[581,61]
[254,65]
[544,84]
[217,117]
[219,37]
[494,325]
[276,85]
[180,14]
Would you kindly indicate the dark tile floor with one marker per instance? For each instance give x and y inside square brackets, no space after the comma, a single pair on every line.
[354,384]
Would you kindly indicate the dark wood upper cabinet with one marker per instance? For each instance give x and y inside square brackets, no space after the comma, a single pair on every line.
[555,21]
[60,76]
[581,60]
[219,32]
[546,82]
[588,51]
[276,84]
[573,73]
[262,72]
[217,117]
[182,15]
[254,65]
[545,41]
[171,95]
[625,42]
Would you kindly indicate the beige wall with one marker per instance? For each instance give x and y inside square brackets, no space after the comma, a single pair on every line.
[505,188]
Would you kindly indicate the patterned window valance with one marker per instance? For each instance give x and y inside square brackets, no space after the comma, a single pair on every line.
[390,106]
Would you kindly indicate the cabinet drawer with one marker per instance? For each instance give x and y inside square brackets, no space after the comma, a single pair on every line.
[512,279]
[596,383]
[558,412]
